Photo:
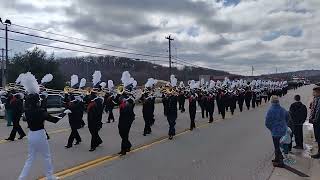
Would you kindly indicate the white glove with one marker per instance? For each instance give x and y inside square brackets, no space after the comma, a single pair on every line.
[67,111]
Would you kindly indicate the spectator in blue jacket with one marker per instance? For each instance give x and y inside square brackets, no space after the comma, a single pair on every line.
[276,121]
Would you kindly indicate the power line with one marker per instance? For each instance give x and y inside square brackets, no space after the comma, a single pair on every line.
[84,40]
[75,50]
[83,45]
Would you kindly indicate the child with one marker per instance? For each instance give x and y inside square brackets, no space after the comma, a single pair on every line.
[285,142]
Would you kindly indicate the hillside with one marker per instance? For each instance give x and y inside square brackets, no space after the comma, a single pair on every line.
[312,75]
[112,68]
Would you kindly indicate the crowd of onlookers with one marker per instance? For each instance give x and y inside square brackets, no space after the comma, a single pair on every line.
[284,125]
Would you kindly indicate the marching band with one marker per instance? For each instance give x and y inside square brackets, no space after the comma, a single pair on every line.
[101,96]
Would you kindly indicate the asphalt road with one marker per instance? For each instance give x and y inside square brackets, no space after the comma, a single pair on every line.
[236,148]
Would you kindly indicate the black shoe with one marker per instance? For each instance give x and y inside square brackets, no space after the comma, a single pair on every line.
[9,139]
[170,137]
[297,147]
[128,150]
[316,156]
[48,137]
[211,121]
[144,134]
[68,146]
[122,153]
[77,143]
[92,149]
[21,137]
[278,164]
[191,129]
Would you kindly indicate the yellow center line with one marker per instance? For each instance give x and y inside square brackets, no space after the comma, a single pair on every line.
[108,158]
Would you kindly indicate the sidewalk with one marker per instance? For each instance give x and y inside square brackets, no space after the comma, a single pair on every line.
[301,166]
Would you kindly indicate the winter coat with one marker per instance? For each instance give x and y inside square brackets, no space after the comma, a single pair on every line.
[276,120]
[298,112]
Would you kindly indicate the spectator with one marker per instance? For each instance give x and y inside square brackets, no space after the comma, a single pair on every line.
[298,112]
[315,118]
[276,121]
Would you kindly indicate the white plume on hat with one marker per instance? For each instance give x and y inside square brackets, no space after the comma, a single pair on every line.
[173,81]
[181,84]
[74,80]
[18,80]
[127,79]
[47,78]
[83,82]
[150,82]
[212,84]
[30,84]
[193,84]
[103,84]
[96,77]
[110,84]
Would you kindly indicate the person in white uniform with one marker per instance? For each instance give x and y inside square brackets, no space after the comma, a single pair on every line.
[37,139]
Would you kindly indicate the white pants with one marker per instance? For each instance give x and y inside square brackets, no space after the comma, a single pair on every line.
[38,144]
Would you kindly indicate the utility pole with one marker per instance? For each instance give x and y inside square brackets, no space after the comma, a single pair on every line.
[169,39]
[2,68]
[252,69]
[6,23]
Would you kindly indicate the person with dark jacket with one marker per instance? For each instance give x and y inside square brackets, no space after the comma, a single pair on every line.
[202,103]
[181,100]
[192,110]
[147,112]
[298,112]
[95,110]
[164,103]
[172,114]
[210,106]
[221,103]
[247,98]
[254,99]
[109,103]
[240,99]
[276,121]
[75,116]
[315,118]
[16,105]
[126,119]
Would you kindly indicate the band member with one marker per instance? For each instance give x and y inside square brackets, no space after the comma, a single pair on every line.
[181,99]
[241,98]
[254,99]
[248,97]
[210,106]
[172,113]
[202,102]
[147,111]
[75,116]
[232,101]
[192,109]
[221,103]
[35,117]
[109,103]
[16,105]
[43,105]
[126,119]
[164,103]
[95,110]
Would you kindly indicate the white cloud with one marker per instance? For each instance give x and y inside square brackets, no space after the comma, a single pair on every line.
[226,37]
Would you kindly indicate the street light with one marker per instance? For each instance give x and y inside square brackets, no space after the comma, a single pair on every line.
[7,23]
